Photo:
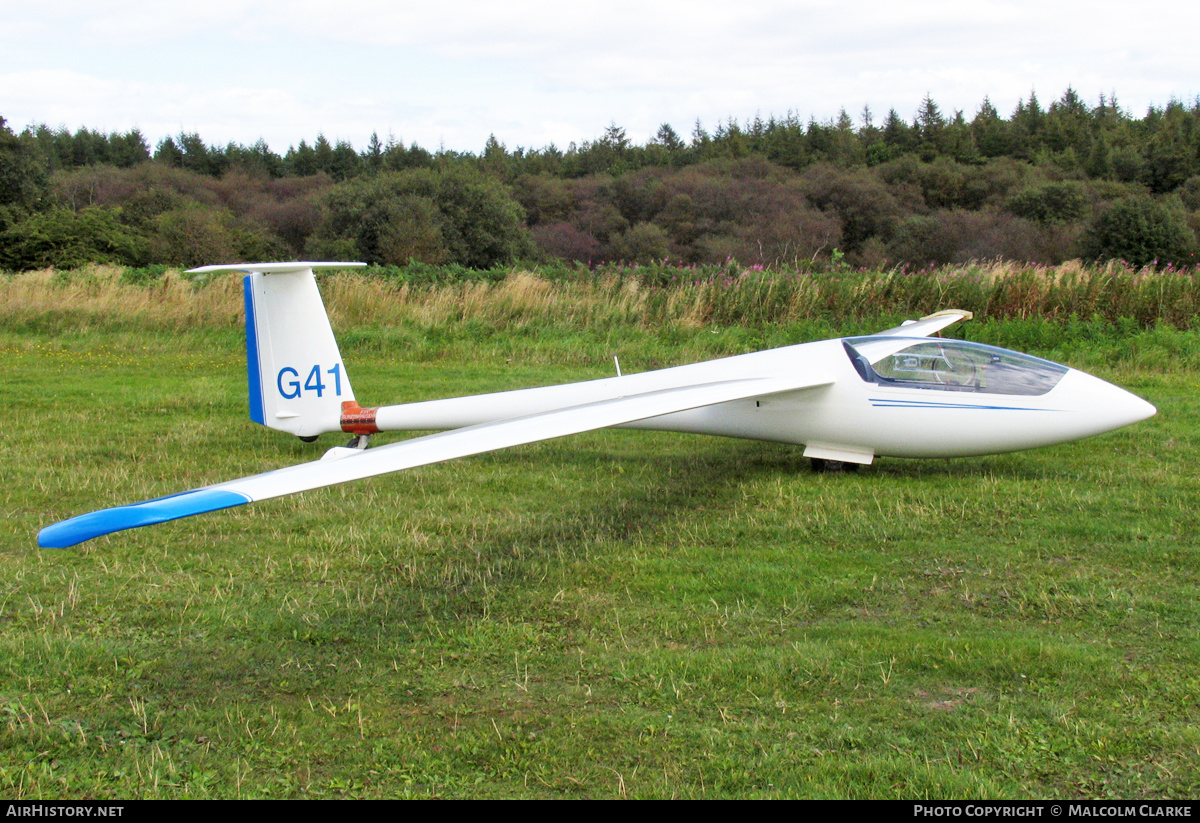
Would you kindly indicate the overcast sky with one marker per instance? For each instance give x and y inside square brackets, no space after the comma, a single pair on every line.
[447,73]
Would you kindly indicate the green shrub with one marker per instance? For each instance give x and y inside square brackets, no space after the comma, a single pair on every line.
[1142,231]
[450,215]
[1052,203]
[62,238]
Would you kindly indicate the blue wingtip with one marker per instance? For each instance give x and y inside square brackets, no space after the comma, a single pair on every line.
[106,521]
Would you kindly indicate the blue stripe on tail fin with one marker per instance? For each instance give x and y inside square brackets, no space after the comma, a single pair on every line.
[252,365]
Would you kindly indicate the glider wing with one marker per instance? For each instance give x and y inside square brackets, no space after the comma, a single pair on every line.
[421,451]
[927,325]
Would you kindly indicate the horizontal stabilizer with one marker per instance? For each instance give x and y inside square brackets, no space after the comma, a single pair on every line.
[421,451]
[271,268]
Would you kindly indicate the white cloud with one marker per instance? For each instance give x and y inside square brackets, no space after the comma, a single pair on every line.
[534,71]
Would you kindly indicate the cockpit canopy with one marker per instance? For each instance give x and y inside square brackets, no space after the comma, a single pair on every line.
[950,365]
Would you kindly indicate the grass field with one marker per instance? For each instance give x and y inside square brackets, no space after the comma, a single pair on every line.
[619,614]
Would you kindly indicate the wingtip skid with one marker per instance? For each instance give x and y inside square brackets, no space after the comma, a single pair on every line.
[106,521]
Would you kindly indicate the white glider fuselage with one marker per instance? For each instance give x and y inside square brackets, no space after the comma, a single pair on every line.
[841,416]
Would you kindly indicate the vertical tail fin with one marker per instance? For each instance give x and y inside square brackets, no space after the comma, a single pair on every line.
[297,381]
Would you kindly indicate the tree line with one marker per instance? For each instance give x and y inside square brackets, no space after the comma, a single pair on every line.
[1044,184]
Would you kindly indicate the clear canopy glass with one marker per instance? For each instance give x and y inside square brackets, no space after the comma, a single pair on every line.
[950,365]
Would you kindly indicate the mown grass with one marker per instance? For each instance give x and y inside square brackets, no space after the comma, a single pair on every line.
[620,614]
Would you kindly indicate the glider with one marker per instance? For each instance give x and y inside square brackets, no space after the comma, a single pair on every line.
[898,393]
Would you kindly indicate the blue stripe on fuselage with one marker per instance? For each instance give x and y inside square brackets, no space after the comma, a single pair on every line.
[885,403]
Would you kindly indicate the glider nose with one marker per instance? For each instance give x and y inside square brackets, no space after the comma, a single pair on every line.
[1106,406]
[1132,408]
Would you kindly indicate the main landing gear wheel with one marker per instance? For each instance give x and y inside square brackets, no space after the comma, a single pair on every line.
[823,466]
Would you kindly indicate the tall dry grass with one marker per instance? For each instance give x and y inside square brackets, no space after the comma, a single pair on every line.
[103,296]
[99,296]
